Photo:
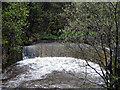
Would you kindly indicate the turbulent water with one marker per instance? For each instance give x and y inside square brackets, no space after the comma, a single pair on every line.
[52,72]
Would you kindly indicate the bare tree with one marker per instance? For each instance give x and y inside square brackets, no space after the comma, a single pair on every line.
[97,24]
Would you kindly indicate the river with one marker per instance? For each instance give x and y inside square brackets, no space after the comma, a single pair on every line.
[51,72]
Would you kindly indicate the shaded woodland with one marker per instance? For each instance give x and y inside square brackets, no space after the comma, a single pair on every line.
[94,23]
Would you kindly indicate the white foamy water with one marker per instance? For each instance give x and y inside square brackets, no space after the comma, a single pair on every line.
[40,66]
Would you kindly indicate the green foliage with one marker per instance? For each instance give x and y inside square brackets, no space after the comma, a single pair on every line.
[90,19]
[43,18]
[37,36]
[49,36]
[26,22]
[14,18]
[14,21]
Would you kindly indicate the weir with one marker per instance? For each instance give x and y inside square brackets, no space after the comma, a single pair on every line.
[55,50]
[80,51]
[47,50]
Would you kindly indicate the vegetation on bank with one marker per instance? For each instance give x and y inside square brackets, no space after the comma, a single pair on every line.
[95,23]
[28,22]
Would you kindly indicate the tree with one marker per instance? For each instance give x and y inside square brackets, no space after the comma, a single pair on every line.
[43,19]
[96,24]
[14,21]
[26,23]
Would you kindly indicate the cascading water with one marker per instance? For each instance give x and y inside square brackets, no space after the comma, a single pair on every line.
[46,50]
[47,66]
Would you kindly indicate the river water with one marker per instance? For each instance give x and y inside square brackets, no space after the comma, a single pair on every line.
[52,72]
